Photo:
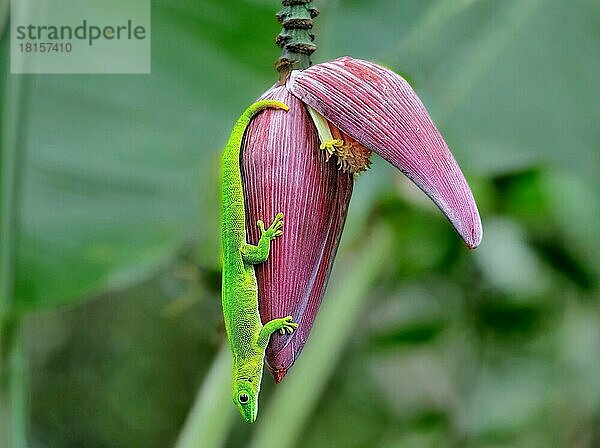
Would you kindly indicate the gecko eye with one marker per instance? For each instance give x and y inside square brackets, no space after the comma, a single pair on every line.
[243,398]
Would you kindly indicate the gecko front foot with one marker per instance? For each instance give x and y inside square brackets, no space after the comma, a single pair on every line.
[274,230]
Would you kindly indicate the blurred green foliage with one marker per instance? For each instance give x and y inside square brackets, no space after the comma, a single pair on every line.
[118,212]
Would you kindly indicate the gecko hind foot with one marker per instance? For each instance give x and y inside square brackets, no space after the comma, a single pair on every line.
[288,325]
[283,325]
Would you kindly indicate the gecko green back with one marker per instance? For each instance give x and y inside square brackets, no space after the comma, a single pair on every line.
[246,335]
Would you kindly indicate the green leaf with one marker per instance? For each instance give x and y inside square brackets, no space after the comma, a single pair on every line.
[120,171]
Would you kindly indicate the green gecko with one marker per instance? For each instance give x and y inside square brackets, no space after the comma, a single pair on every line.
[246,335]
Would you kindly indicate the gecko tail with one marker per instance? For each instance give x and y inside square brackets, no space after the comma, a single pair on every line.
[231,154]
[265,104]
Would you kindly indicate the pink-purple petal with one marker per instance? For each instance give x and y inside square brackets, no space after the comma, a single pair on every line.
[285,171]
[379,109]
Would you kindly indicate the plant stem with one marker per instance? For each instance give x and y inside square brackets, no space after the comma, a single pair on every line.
[13,402]
[296,38]
[210,418]
[8,184]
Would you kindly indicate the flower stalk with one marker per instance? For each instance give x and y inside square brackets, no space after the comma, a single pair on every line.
[296,38]
[303,164]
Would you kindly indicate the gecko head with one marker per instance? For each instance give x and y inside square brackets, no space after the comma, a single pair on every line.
[245,397]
